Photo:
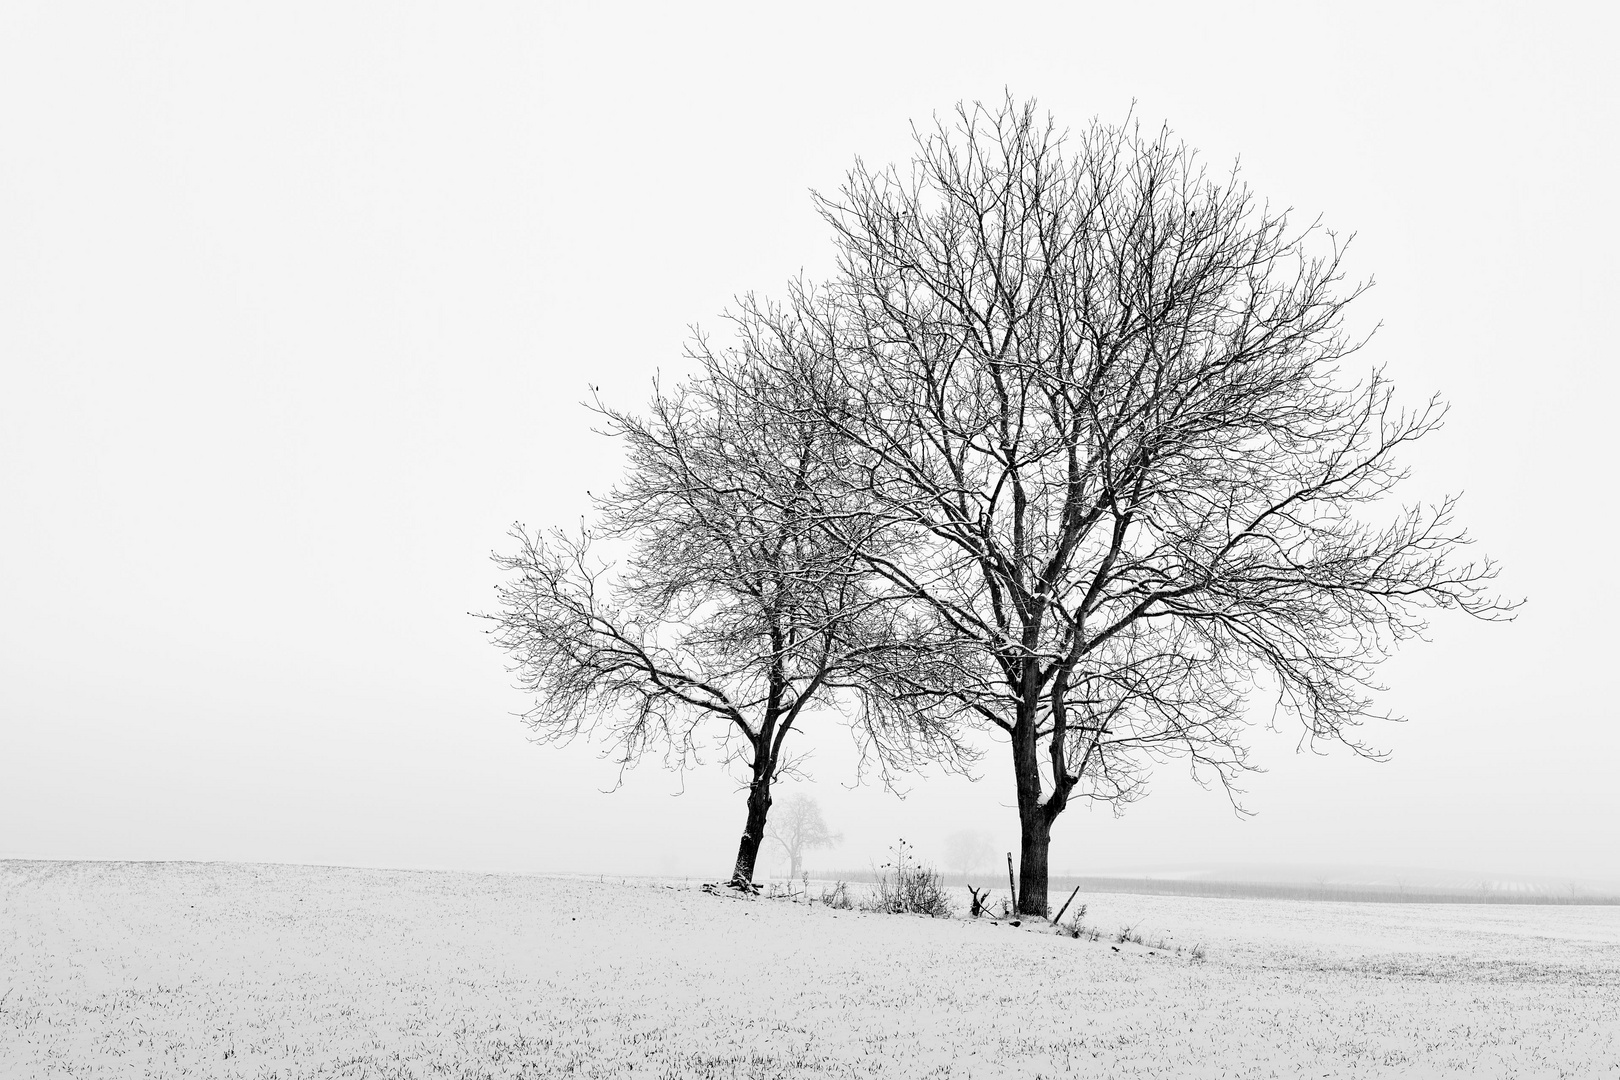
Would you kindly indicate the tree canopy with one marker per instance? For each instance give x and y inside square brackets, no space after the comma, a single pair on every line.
[730,613]
[1069,448]
[1096,399]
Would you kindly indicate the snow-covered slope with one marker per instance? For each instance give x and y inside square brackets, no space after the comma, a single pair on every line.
[219,970]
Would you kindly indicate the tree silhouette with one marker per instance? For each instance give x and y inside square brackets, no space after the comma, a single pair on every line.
[1096,397]
[730,611]
[798,827]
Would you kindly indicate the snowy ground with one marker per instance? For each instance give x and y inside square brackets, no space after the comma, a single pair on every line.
[211,970]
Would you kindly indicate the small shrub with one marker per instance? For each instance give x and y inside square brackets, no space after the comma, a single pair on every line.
[835,897]
[912,889]
[1197,952]
[1128,934]
[791,890]
[1075,925]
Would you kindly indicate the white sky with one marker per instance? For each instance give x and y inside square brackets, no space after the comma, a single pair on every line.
[297,304]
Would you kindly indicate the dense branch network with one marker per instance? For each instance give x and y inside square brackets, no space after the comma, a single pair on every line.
[1064,449]
[731,611]
[1093,398]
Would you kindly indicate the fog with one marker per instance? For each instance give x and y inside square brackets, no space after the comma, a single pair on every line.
[298,306]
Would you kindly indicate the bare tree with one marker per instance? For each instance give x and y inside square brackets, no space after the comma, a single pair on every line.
[1096,401]
[799,827]
[730,614]
[968,849]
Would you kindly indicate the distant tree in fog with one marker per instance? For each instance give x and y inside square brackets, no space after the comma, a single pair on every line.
[799,827]
[968,849]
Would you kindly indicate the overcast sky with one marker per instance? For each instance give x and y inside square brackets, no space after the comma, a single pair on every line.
[298,304]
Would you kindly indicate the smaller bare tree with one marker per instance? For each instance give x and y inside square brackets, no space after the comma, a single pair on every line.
[729,614]
[799,827]
[968,849]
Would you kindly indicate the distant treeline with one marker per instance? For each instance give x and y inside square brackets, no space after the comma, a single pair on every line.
[1273,890]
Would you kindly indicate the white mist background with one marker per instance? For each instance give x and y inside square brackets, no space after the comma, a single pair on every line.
[298,304]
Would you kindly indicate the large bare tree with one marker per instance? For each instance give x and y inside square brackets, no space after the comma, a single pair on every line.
[728,615]
[1096,398]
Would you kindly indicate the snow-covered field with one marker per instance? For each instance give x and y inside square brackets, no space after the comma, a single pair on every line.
[218,970]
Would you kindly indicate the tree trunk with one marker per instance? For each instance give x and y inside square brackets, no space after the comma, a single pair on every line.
[1034,840]
[759,804]
[1035,831]
[794,873]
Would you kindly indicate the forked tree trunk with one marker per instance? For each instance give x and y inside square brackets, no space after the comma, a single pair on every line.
[759,805]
